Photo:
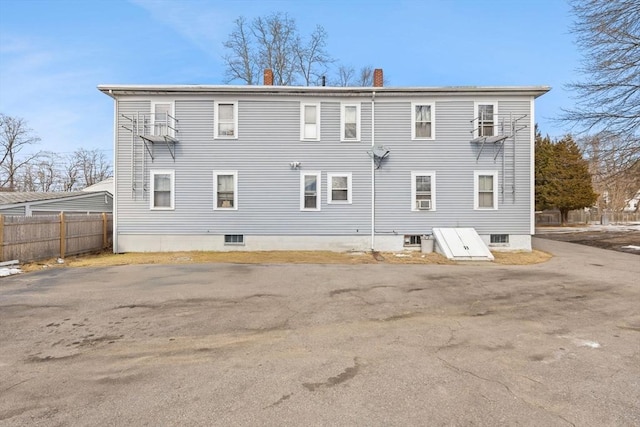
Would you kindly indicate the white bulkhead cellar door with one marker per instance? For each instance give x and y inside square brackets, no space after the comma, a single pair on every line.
[461,244]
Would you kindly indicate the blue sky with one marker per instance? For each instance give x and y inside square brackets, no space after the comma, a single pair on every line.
[54,53]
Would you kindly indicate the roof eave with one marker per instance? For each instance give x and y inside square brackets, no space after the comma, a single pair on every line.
[129,90]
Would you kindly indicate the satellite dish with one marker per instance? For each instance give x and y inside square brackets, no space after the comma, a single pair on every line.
[379,152]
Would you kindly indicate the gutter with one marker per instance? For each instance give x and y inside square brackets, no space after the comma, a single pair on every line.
[114,90]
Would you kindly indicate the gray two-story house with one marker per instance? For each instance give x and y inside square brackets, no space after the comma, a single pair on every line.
[203,167]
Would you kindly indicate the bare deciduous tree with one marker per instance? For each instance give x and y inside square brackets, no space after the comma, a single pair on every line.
[274,42]
[312,57]
[93,166]
[15,136]
[241,60]
[365,78]
[46,172]
[345,76]
[277,39]
[70,174]
[608,99]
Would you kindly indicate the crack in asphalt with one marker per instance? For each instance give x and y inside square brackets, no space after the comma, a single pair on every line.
[506,387]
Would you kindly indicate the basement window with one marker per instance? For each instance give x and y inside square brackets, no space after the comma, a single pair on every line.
[499,239]
[234,239]
[412,240]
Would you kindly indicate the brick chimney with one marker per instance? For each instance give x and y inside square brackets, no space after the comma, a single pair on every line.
[268,77]
[378,81]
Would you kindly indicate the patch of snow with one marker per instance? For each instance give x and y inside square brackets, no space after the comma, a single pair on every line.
[586,343]
[633,247]
[580,342]
[8,271]
[402,255]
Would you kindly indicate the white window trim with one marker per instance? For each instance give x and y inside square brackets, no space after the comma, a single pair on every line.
[172,107]
[358,122]
[476,123]
[413,121]
[330,189]
[216,120]
[302,108]
[171,173]
[431,174]
[476,175]
[318,176]
[216,174]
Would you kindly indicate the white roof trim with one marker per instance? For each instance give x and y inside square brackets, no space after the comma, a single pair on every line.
[115,90]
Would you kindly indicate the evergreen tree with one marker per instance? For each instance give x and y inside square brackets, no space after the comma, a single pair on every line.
[563,180]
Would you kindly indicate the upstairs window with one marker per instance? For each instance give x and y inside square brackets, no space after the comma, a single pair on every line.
[485,119]
[423,121]
[423,191]
[162,119]
[310,122]
[226,190]
[310,191]
[339,188]
[350,123]
[485,194]
[226,120]
[162,189]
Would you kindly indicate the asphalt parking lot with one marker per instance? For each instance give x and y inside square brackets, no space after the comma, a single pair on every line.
[373,345]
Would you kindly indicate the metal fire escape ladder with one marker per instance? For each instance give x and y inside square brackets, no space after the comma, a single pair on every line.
[497,136]
[150,129]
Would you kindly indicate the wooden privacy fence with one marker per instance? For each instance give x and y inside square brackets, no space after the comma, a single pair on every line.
[33,238]
[580,216]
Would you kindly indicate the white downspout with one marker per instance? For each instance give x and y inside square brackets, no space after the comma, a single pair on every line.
[114,214]
[373,171]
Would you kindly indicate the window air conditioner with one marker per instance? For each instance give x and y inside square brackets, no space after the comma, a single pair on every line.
[424,205]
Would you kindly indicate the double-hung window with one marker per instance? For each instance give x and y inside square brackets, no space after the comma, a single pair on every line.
[485,190]
[162,119]
[226,120]
[310,191]
[423,121]
[339,188]
[350,122]
[423,191]
[162,189]
[310,122]
[225,195]
[485,118]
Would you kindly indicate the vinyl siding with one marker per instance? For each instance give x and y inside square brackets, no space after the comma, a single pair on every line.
[453,158]
[269,189]
[90,203]
[17,210]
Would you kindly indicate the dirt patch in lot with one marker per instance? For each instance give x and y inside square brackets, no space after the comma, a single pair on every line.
[621,240]
[277,257]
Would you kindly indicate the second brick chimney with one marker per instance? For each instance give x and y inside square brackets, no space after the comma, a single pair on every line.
[268,77]
[378,80]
